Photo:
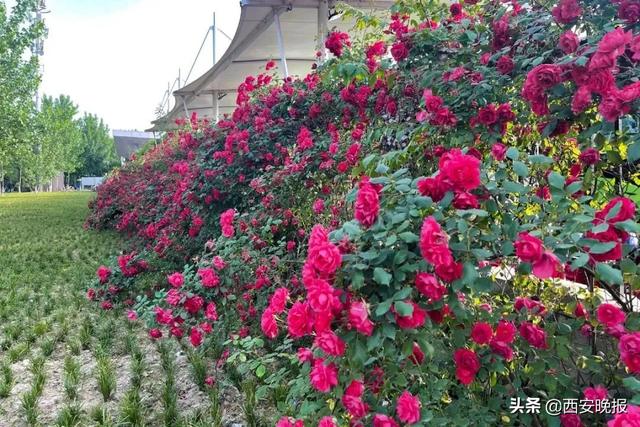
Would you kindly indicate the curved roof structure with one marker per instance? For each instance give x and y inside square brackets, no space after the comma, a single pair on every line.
[288,31]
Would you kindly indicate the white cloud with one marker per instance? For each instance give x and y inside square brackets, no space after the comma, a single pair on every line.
[116,61]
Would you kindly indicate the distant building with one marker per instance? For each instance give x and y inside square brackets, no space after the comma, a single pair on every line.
[90,182]
[129,141]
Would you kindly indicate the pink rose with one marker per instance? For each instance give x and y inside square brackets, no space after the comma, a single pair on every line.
[408,408]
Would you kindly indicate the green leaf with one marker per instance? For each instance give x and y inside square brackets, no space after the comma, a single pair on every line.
[520,169]
[633,152]
[514,187]
[556,180]
[540,159]
[628,225]
[632,383]
[580,260]
[610,275]
[601,247]
[381,276]
[383,307]
[403,309]
[260,371]
[513,153]
[408,237]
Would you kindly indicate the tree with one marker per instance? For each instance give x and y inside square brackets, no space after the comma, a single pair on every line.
[19,78]
[99,151]
[58,145]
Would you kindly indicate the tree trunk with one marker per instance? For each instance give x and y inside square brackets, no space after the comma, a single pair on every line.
[20,179]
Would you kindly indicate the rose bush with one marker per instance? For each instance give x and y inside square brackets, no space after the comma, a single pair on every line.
[433,222]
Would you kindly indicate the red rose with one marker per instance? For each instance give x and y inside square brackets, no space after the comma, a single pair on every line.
[330,343]
[566,11]
[399,51]
[320,295]
[505,65]
[481,333]
[431,102]
[323,377]
[359,318]
[570,420]
[336,42]
[568,42]
[606,236]
[155,333]
[278,300]
[505,331]
[547,267]
[435,187]
[488,115]
[629,347]
[103,273]
[268,323]
[325,258]
[299,321]
[462,170]
[408,408]
[367,203]
[434,243]
[176,280]
[589,156]
[195,337]
[631,417]
[465,201]
[610,315]
[502,349]
[528,248]
[629,10]
[449,272]
[498,151]
[581,100]
[467,365]
[626,211]
[429,286]
[415,320]
[193,304]
[545,76]
[380,420]
[327,421]
[598,392]
[456,10]
[534,335]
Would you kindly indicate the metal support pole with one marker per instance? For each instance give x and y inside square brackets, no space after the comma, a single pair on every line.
[323,24]
[213,37]
[216,108]
[186,110]
[283,58]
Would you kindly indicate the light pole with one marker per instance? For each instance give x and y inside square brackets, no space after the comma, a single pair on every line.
[37,49]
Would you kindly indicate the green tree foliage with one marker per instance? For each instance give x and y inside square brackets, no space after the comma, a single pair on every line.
[99,152]
[19,79]
[59,140]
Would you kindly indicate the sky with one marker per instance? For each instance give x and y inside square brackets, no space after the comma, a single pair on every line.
[114,58]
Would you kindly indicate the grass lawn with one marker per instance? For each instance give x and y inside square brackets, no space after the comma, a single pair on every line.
[62,360]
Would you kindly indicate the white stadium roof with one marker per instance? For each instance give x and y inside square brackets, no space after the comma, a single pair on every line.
[287,31]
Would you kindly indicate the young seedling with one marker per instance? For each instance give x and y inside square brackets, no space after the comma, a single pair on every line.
[6,380]
[169,392]
[198,368]
[131,408]
[106,378]
[70,416]
[71,377]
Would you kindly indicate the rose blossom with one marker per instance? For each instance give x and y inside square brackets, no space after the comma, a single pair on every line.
[408,408]
[323,377]
[610,315]
[467,365]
